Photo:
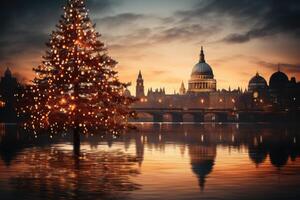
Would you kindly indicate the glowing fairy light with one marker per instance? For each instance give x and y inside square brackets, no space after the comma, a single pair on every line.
[76,85]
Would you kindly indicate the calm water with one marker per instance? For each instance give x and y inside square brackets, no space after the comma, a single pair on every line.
[191,161]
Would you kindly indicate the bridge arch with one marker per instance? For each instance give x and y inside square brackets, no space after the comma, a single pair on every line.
[211,117]
[215,116]
[145,117]
[167,117]
[188,117]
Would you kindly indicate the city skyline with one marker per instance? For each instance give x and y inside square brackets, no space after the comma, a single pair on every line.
[212,111]
[163,38]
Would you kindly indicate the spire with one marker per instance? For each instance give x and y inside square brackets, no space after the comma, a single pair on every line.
[140,75]
[182,84]
[182,89]
[202,56]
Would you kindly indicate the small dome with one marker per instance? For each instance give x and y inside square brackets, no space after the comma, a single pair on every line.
[257,83]
[202,68]
[257,79]
[278,80]
[127,93]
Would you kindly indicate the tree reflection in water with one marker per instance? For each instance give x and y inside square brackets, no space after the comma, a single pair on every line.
[58,174]
[51,172]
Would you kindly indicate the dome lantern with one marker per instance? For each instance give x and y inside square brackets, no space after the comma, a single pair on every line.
[202,56]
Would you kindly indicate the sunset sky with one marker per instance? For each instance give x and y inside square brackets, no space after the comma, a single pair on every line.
[162,38]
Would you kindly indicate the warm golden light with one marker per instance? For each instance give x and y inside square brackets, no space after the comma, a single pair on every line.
[2,104]
[63,101]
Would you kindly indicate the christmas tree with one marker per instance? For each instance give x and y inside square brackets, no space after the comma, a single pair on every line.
[76,87]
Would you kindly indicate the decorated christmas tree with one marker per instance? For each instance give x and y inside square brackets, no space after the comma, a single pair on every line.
[76,88]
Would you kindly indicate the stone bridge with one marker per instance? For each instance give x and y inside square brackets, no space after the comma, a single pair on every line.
[207,115]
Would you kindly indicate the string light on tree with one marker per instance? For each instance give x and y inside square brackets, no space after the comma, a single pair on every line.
[76,87]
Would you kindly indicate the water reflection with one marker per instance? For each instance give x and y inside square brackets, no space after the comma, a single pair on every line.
[11,143]
[202,161]
[117,168]
[52,173]
[45,170]
[261,142]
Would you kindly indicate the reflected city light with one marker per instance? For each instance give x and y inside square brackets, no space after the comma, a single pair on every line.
[204,158]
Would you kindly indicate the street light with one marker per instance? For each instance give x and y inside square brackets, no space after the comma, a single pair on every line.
[144,100]
[2,104]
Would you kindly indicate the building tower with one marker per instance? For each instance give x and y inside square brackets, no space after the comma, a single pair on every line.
[140,86]
[182,90]
[9,86]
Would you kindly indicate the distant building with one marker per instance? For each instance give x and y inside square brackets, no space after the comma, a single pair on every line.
[281,93]
[284,93]
[9,86]
[127,93]
[140,86]
[257,84]
[202,77]
[201,92]
[182,89]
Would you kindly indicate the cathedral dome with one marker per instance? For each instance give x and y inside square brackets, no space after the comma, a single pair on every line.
[202,77]
[278,80]
[202,68]
[257,82]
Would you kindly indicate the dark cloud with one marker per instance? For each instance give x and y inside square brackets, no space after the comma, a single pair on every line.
[261,18]
[289,68]
[183,32]
[26,24]
[120,19]
[143,37]
[239,10]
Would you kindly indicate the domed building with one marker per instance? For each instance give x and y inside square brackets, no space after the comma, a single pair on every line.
[278,81]
[257,83]
[9,86]
[202,161]
[127,93]
[202,77]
